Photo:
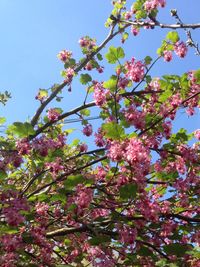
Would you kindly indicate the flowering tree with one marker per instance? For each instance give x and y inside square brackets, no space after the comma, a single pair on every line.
[130,198]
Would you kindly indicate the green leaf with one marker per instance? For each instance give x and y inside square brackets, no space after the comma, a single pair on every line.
[27,238]
[147,60]
[43,93]
[99,56]
[128,191]
[197,76]
[3,174]
[2,120]
[172,36]
[114,54]
[144,251]
[85,112]
[95,241]
[113,130]
[111,84]
[176,249]
[70,63]
[85,78]
[73,180]
[21,129]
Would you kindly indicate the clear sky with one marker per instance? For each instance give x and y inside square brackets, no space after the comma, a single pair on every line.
[33,32]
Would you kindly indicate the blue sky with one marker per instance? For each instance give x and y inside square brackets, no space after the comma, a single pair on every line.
[33,32]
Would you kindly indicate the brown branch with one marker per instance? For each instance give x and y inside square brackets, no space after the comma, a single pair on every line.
[161,25]
[110,36]
[190,41]
[32,180]
[162,118]
[154,248]
[64,176]
[184,218]
[66,231]
[87,105]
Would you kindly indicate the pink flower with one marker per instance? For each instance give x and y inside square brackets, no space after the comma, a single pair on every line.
[100,94]
[135,70]
[83,148]
[127,234]
[167,56]
[69,74]
[180,49]
[23,146]
[115,151]
[87,130]
[197,134]
[55,167]
[99,138]
[42,208]
[64,55]
[134,30]
[52,114]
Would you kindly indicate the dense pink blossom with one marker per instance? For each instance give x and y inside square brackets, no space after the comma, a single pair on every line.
[135,70]
[23,146]
[13,205]
[100,94]
[135,117]
[180,49]
[127,234]
[87,130]
[55,166]
[115,151]
[149,5]
[137,153]
[167,56]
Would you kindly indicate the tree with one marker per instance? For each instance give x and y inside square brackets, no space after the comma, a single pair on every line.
[128,198]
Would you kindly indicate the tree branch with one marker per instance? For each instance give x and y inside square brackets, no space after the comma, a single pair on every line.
[161,25]
[110,36]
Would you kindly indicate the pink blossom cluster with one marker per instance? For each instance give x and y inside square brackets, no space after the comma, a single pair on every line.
[69,74]
[132,151]
[55,166]
[100,258]
[9,259]
[197,134]
[64,55]
[100,94]
[149,5]
[53,114]
[23,146]
[43,144]
[134,30]
[122,82]
[87,130]
[127,234]
[13,205]
[135,70]
[87,42]
[135,117]
[82,198]
[46,248]
[99,138]
[180,49]
[11,243]
[14,158]
[167,55]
